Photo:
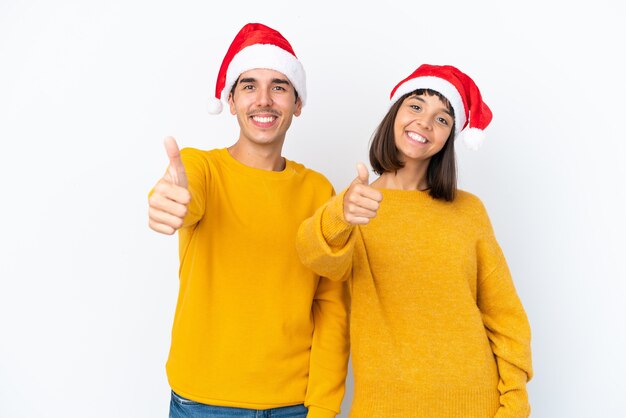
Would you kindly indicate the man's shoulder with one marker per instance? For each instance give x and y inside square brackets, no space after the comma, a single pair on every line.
[309,175]
[199,153]
[201,159]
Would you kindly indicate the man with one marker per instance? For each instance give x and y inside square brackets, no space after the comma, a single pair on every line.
[255,333]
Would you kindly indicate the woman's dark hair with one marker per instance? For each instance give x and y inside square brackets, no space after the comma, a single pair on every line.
[384,155]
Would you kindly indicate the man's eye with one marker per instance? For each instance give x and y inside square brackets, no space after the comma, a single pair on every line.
[281,88]
[247,87]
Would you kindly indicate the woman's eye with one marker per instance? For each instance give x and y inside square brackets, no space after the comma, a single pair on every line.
[416,107]
[443,121]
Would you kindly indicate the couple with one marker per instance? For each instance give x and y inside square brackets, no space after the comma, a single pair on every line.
[273,265]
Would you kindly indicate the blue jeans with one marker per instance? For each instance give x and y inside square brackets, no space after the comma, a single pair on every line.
[184,408]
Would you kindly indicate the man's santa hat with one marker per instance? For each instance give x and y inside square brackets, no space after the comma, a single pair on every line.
[257,46]
[471,114]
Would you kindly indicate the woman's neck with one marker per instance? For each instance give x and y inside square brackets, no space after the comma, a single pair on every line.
[409,177]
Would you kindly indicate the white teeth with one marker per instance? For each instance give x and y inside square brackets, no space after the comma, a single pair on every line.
[261,119]
[416,137]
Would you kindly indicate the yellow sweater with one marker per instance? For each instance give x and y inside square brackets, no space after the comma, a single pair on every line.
[437,329]
[253,327]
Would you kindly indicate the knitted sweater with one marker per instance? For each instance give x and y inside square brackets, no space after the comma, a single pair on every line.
[437,329]
[253,327]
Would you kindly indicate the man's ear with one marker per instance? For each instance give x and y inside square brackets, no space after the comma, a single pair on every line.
[231,104]
[298,107]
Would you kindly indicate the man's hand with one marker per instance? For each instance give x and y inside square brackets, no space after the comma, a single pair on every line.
[170,197]
[361,201]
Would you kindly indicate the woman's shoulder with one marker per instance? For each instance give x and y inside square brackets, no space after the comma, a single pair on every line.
[470,203]
[464,197]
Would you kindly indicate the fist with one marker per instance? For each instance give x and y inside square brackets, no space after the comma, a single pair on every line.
[361,201]
[170,198]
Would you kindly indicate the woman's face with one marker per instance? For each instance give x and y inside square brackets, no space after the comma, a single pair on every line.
[423,125]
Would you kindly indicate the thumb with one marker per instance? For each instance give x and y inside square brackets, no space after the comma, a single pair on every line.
[176,169]
[363,174]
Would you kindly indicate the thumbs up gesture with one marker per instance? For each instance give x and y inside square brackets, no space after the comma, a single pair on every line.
[170,197]
[361,201]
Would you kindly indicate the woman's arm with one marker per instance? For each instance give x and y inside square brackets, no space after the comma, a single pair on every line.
[326,241]
[507,328]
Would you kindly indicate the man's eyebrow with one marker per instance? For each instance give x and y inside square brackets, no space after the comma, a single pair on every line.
[281,81]
[274,80]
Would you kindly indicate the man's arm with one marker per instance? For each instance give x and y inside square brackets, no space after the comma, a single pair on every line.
[330,349]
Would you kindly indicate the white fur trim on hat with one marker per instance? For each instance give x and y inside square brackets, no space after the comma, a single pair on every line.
[270,57]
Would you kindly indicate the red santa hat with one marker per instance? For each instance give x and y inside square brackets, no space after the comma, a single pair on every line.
[471,114]
[257,46]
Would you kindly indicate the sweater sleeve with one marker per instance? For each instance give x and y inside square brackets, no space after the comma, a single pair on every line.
[330,349]
[197,170]
[326,241]
[507,328]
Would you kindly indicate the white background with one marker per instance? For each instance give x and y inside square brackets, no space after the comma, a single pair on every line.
[88,90]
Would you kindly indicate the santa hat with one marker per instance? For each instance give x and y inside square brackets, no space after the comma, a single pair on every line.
[471,113]
[257,46]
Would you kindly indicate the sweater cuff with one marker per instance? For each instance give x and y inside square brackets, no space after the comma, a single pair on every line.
[335,229]
[317,412]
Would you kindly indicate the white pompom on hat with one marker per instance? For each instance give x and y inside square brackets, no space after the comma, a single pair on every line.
[257,46]
[472,115]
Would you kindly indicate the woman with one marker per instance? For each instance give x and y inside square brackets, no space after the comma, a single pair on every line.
[437,328]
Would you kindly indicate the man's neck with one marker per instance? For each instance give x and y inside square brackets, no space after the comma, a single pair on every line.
[264,157]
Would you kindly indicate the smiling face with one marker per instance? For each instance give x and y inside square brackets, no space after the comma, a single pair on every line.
[422,126]
[265,103]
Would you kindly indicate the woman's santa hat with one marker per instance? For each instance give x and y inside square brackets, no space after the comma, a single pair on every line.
[472,115]
[257,46]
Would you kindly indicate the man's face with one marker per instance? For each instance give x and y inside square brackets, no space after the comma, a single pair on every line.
[264,102]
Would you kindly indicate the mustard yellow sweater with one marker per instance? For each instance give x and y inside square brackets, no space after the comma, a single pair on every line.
[253,327]
[437,329]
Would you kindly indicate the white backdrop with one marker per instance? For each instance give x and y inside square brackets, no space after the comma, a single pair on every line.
[88,90]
